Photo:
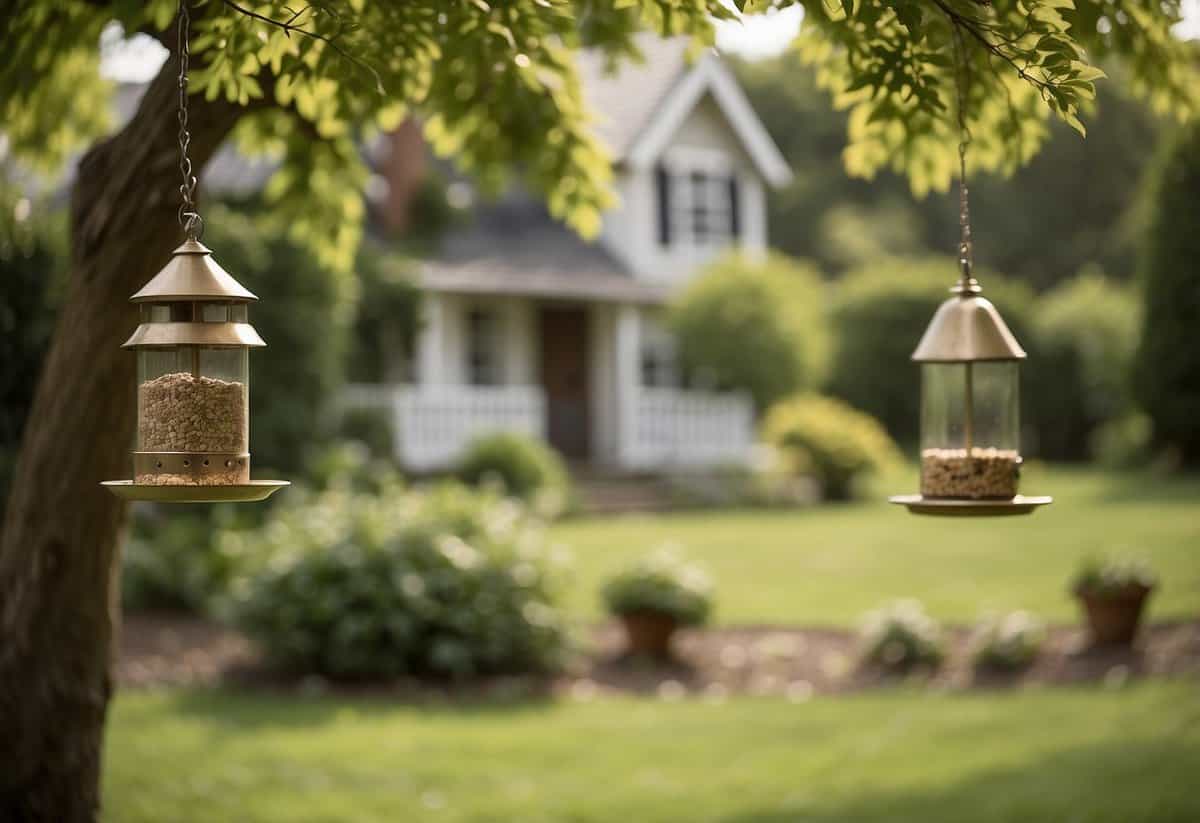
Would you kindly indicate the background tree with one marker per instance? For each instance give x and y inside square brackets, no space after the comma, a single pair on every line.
[497,87]
[1167,373]
[1072,205]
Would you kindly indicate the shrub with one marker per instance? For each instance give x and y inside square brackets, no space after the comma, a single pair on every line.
[372,428]
[825,438]
[443,582]
[171,562]
[901,636]
[1085,333]
[879,314]
[663,583]
[754,327]
[349,464]
[1112,576]
[1167,373]
[525,468]
[33,268]
[1123,443]
[1008,642]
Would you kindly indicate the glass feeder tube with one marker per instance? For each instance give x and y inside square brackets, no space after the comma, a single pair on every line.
[970,414]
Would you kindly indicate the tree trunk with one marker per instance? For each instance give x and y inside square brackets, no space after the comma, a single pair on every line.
[58,552]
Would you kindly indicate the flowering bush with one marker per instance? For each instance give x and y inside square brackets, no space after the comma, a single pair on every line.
[823,438]
[901,635]
[1113,577]
[1009,641]
[663,583]
[441,582]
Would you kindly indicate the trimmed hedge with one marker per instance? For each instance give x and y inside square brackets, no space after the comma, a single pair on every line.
[1078,375]
[1168,359]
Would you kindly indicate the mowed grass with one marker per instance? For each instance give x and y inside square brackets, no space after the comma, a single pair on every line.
[1083,755]
[829,564]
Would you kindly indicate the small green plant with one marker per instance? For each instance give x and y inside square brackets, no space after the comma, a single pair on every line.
[443,582]
[829,441]
[1007,642]
[900,636]
[663,583]
[522,467]
[1113,576]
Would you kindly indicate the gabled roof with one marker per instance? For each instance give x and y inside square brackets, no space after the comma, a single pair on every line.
[513,246]
[641,105]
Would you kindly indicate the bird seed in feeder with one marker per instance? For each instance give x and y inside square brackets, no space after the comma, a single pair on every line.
[985,474]
[179,412]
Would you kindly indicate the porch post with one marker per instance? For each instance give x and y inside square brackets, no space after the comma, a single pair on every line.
[430,360]
[628,383]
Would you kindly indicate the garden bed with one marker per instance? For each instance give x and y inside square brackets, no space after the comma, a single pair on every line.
[173,650]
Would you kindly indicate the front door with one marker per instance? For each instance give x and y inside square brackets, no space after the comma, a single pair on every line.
[564,344]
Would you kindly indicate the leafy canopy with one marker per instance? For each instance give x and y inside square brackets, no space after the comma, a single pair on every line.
[893,64]
[497,87]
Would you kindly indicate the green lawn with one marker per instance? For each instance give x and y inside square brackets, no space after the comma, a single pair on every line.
[1080,755]
[829,564]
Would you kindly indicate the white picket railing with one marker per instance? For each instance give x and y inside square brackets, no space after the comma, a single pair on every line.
[678,428]
[432,425]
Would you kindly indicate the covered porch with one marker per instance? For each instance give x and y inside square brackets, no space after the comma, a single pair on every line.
[592,374]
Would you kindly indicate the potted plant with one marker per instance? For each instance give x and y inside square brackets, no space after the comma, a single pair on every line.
[1113,594]
[654,597]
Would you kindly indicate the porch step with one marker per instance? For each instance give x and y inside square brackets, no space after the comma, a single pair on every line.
[617,495]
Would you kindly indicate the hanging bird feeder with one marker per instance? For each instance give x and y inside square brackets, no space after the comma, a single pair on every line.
[193,344]
[970,403]
[970,411]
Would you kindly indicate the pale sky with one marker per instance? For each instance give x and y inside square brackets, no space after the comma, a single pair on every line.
[758,36]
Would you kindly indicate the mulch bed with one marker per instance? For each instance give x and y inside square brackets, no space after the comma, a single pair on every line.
[174,650]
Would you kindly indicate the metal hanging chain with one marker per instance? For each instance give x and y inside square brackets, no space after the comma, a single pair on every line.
[189,217]
[966,250]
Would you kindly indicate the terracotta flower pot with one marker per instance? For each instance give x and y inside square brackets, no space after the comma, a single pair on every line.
[1113,616]
[649,633]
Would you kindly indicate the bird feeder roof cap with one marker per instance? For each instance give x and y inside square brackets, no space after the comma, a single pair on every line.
[967,328]
[193,275]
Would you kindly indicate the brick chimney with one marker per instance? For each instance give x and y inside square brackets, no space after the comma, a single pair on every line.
[404,164]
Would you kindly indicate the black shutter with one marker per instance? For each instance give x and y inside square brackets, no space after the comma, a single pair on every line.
[735,208]
[662,186]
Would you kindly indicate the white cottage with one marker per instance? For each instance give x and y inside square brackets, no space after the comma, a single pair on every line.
[527,328]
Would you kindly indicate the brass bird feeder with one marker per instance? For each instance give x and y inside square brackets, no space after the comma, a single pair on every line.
[193,401]
[970,403]
[970,411]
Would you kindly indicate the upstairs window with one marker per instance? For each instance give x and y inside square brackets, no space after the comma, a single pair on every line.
[698,205]
[484,347]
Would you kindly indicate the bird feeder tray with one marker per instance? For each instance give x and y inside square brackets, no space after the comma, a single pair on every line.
[943,507]
[251,492]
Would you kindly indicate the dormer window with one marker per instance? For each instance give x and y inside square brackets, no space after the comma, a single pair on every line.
[698,201]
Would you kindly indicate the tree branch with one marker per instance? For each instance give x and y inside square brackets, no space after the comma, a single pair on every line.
[290,26]
[970,26]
